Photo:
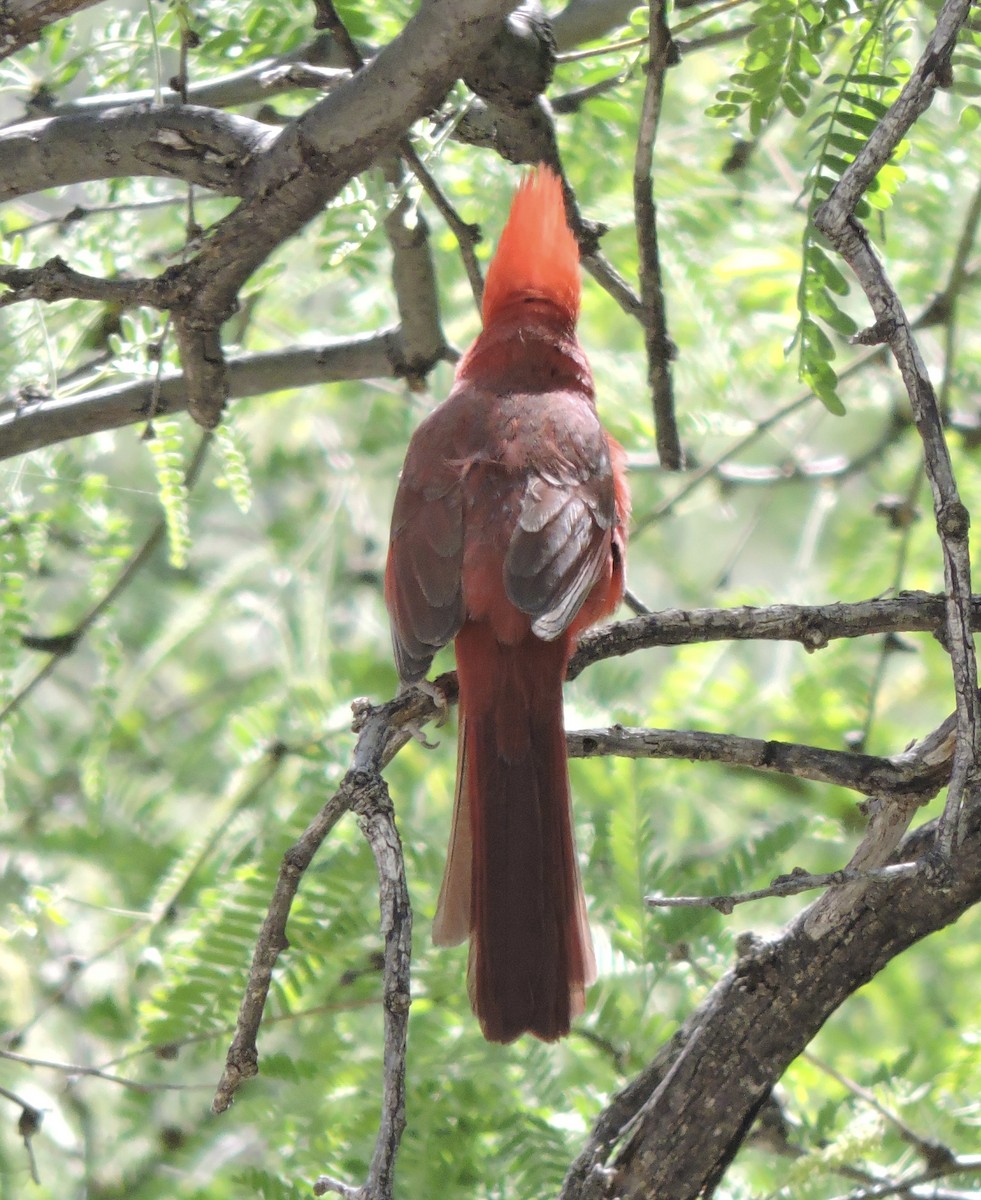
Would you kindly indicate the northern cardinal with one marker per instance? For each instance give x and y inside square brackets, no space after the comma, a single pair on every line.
[508,535]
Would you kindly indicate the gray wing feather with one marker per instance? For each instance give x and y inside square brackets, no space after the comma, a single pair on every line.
[558,549]
[427,549]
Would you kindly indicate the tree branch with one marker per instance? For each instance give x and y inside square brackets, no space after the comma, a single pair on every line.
[660,349]
[312,160]
[94,1073]
[835,218]
[286,177]
[381,731]
[797,881]
[319,64]
[23,21]
[917,774]
[376,819]
[684,1118]
[56,280]
[29,425]
[216,150]
[813,625]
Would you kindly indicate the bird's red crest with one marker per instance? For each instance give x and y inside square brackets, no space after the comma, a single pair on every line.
[537,255]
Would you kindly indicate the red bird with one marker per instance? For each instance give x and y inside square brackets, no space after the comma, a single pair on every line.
[508,535]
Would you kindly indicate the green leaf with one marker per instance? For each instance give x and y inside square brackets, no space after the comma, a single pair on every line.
[823,380]
[166,451]
[856,121]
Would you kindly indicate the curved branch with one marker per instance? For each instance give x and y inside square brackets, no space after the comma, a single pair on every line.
[362,790]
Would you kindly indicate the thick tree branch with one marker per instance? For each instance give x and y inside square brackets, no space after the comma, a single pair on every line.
[288,177]
[683,1119]
[198,145]
[586,20]
[312,160]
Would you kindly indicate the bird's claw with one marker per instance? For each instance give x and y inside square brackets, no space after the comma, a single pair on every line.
[438,697]
[419,735]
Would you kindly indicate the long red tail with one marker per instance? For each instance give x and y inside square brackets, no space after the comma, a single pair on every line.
[512,881]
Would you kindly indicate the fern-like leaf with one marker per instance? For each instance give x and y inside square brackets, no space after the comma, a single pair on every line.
[234,467]
[852,109]
[168,462]
[782,58]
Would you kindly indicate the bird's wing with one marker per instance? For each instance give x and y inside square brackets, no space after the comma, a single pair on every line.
[561,544]
[422,579]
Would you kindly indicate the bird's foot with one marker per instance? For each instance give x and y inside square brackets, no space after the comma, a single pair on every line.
[438,697]
[415,724]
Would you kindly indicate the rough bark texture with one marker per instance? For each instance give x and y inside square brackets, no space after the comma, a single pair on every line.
[693,1106]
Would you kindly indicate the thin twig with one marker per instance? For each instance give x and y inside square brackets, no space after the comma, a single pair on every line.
[242,1060]
[793,884]
[97,1073]
[66,643]
[960,1165]
[315,65]
[660,349]
[364,791]
[706,15]
[710,469]
[28,1124]
[80,212]
[936,310]
[951,297]
[934,1154]
[467,236]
